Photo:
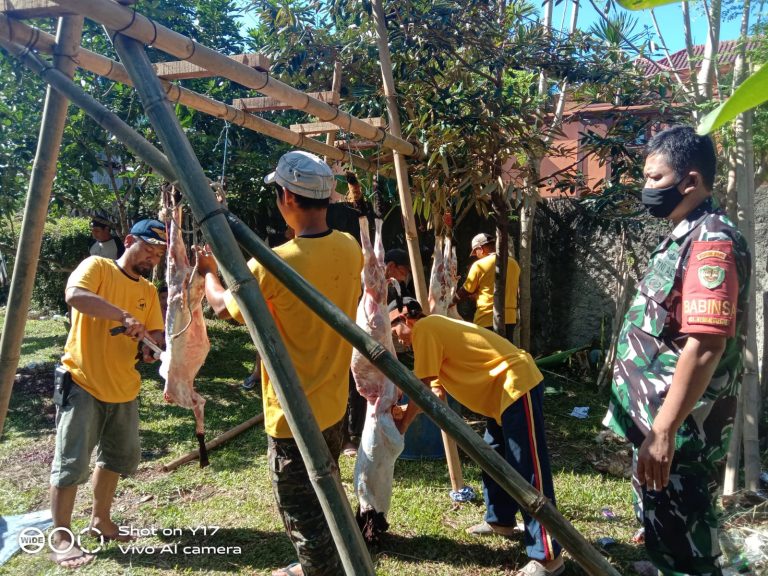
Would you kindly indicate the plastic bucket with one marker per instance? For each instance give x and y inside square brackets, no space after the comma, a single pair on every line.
[423,440]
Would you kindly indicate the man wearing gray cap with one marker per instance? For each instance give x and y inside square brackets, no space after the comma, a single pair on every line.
[481,282]
[331,261]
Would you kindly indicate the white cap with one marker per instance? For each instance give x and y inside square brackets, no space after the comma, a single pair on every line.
[304,174]
[481,240]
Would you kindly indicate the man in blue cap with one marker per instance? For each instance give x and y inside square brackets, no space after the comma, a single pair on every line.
[97,384]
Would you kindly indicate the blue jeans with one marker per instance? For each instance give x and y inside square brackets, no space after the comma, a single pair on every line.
[520,441]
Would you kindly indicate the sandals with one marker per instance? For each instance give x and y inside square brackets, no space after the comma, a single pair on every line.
[534,568]
[487,529]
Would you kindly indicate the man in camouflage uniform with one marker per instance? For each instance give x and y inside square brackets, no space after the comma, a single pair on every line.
[679,356]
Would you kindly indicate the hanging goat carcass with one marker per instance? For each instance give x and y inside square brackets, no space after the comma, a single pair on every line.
[444,279]
[381,442]
[186,338]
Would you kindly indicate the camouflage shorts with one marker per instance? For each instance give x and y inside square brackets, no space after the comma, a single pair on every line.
[681,521]
[299,507]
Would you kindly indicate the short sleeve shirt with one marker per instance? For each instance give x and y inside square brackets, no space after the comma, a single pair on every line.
[481,279]
[105,365]
[332,264]
[483,371]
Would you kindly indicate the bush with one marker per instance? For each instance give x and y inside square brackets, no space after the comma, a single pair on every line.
[65,245]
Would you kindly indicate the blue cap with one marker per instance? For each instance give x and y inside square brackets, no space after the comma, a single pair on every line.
[151,231]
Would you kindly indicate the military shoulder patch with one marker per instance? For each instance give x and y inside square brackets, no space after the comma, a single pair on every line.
[711,276]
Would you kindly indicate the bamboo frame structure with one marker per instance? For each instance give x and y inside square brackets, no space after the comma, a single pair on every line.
[33,38]
[321,470]
[134,25]
[245,290]
[401,169]
[35,211]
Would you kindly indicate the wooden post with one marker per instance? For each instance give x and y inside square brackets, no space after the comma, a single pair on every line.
[330,138]
[35,210]
[321,469]
[33,38]
[401,169]
[218,441]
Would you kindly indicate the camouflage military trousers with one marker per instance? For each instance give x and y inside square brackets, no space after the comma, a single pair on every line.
[681,520]
[298,504]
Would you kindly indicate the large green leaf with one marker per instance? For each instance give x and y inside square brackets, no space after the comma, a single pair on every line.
[752,92]
[643,4]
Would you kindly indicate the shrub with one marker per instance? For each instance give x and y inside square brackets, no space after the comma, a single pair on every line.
[65,245]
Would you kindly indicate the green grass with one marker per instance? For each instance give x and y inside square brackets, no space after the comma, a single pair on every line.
[427,534]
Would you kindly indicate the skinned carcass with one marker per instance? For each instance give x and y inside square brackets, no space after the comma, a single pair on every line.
[443,279]
[186,338]
[381,442]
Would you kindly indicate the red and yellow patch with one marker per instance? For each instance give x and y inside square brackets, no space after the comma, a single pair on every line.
[710,289]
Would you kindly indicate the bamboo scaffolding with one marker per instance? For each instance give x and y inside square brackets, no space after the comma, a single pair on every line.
[491,462]
[35,210]
[132,24]
[401,169]
[497,467]
[20,33]
[321,470]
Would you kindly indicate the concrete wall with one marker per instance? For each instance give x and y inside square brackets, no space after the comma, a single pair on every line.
[576,271]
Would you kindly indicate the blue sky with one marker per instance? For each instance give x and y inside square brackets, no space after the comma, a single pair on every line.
[669,18]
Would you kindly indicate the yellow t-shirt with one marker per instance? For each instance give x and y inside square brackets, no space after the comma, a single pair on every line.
[332,264]
[479,368]
[482,275]
[102,364]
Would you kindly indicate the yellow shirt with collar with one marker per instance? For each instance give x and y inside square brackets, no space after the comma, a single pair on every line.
[102,364]
[483,371]
[480,280]
[331,263]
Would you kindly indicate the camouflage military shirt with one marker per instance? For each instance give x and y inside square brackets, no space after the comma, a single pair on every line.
[697,282]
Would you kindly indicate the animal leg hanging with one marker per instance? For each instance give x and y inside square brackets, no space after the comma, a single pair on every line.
[187,342]
[381,442]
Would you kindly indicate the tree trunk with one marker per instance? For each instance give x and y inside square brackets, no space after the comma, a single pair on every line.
[527,215]
[501,210]
[745,171]
[708,72]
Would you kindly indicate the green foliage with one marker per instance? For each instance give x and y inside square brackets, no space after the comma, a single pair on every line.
[752,92]
[65,244]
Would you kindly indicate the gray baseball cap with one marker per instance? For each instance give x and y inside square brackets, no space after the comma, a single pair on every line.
[304,174]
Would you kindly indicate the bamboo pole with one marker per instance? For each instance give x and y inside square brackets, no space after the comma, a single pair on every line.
[216,442]
[330,138]
[20,33]
[491,462]
[134,25]
[321,469]
[401,169]
[35,210]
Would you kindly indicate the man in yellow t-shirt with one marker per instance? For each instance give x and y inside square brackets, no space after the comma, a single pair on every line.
[331,261]
[96,393]
[490,376]
[480,284]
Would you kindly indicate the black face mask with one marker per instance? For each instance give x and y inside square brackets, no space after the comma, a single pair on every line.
[660,202]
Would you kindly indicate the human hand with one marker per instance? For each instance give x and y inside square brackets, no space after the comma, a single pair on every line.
[206,263]
[654,460]
[439,391]
[133,327]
